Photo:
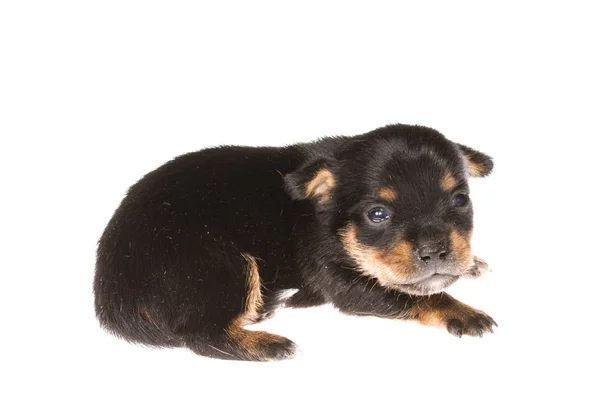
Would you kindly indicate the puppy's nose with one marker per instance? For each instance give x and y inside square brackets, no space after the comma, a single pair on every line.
[435,252]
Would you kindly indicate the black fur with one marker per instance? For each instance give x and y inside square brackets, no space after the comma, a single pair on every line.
[170,270]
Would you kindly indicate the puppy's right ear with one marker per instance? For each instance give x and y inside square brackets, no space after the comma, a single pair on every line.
[478,164]
[314,180]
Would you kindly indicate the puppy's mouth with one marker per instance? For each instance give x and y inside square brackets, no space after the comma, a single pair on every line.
[434,283]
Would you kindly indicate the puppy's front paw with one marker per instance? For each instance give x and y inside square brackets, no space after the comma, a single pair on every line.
[443,311]
[478,268]
[470,322]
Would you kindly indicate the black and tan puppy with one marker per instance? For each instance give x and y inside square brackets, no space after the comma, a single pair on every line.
[377,224]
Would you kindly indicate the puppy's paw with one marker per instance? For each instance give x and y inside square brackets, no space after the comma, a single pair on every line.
[283,349]
[470,322]
[478,268]
[265,316]
[442,310]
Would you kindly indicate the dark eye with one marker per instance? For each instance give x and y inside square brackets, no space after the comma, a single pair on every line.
[460,200]
[378,214]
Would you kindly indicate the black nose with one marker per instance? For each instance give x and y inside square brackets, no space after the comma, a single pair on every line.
[435,252]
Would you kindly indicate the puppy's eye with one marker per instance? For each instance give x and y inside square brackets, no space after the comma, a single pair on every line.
[378,214]
[460,200]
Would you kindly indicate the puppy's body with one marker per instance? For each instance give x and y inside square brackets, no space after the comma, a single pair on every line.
[214,240]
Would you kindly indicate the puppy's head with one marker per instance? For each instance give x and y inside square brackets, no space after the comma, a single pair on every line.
[397,199]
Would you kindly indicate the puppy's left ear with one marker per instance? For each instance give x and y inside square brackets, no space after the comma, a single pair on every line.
[478,164]
[312,181]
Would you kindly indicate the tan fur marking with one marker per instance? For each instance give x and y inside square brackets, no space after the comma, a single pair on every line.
[436,310]
[448,182]
[390,267]
[252,342]
[399,257]
[387,194]
[146,315]
[320,185]
[254,298]
[475,169]
[461,248]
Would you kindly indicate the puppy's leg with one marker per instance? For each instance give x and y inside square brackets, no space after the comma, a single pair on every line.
[237,343]
[367,297]
[305,298]
[294,298]
[234,342]
[442,310]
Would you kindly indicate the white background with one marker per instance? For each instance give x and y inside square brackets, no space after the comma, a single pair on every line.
[95,94]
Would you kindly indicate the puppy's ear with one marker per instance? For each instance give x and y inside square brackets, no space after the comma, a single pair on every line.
[313,180]
[478,164]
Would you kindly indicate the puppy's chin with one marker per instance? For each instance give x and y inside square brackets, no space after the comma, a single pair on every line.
[428,286]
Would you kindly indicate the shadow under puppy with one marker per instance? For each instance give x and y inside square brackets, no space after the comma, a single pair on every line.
[376,224]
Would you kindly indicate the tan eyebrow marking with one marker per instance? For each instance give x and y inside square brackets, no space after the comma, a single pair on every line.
[448,182]
[387,194]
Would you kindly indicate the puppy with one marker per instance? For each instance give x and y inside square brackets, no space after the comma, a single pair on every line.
[377,224]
